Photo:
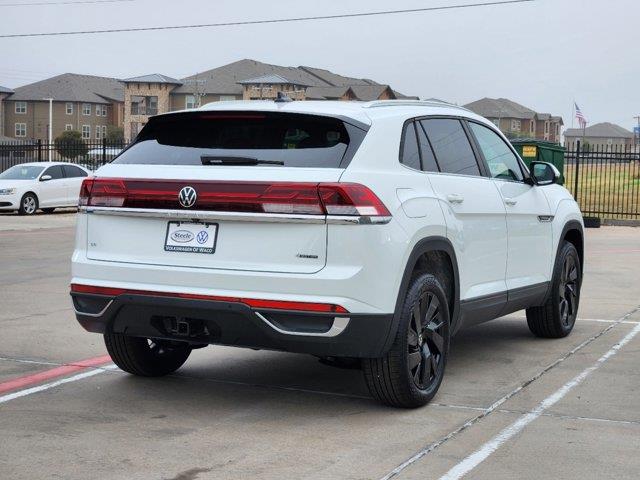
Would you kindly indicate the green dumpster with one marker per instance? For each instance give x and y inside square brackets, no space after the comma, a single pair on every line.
[541,151]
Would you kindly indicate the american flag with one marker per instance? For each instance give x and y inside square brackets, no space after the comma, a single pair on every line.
[582,120]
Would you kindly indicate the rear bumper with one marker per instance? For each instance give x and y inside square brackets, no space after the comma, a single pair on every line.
[231,323]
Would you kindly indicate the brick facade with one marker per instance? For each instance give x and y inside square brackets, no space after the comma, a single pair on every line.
[134,121]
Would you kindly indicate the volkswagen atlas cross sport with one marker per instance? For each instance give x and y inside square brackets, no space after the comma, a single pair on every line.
[368,231]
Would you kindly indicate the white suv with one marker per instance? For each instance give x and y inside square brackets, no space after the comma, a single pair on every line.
[345,230]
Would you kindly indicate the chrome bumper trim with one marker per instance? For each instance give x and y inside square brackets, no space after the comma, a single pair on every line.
[338,326]
[94,315]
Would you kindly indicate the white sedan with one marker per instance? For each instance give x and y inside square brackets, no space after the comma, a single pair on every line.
[49,185]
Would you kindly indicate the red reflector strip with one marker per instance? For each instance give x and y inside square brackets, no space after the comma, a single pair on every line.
[252,302]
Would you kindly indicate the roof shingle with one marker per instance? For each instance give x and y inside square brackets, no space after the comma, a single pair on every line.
[600,130]
[153,78]
[71,87]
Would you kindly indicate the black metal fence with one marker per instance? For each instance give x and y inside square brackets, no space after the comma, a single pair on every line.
[89,154]
[604,179]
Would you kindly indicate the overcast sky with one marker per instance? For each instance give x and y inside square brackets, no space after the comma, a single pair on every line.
[542,54]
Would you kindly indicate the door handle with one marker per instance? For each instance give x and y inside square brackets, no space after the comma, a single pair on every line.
[510,201]
[455,198]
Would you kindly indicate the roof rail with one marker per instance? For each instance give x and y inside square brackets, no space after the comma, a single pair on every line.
[412,103]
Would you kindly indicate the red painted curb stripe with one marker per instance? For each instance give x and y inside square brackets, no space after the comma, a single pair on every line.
[61,371]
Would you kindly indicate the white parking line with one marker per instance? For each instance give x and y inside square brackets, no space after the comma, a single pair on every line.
[479,456]
[57,383]
[428,449]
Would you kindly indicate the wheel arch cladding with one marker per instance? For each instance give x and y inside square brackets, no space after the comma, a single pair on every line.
[573,233]
[428,253]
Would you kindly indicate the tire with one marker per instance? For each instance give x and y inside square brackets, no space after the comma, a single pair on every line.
[28,204]
[48,210]
[556,318]
[406,377]
[146,357]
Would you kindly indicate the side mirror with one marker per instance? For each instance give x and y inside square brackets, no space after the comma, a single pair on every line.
[544,173]
[45,178]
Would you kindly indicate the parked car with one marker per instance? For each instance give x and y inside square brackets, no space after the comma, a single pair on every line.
[99,156]
[371,231]
[45,185]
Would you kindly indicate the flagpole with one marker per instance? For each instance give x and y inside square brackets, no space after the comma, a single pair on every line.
[573,112]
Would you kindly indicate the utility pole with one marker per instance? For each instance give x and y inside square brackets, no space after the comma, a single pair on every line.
[50,148]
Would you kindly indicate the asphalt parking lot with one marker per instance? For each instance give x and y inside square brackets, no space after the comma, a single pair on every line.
[511,405]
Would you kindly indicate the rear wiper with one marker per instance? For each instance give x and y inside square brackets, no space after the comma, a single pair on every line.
[215,160]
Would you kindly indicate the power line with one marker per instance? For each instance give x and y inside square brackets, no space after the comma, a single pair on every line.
[262,22]
[30,4]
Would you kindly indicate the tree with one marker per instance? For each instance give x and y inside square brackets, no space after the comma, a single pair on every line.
[115,134]
[70,145]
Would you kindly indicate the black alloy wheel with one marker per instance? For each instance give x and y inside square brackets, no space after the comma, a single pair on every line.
[426,341]
[557,316]
[568,291]
[409,374]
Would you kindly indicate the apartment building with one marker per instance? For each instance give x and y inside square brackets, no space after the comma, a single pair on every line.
[518,121]
[84,103]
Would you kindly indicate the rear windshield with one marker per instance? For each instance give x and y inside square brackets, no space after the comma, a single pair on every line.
[290,140]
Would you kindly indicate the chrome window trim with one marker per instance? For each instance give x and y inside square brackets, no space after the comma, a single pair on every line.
[338,326]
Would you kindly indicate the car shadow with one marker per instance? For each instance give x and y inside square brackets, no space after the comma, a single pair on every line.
[222,373]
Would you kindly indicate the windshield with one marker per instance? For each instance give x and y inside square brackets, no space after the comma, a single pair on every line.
[21,172]
[292,140]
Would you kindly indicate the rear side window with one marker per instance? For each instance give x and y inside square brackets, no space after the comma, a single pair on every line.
[73,172]
[451,146]
[55,172]
[428,159]
[296,140]
[410,153]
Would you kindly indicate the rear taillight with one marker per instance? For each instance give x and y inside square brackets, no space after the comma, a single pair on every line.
[351,199]
[85,192]
[253,197]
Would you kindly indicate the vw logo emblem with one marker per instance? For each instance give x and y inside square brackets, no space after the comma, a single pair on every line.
[202,237]
[187,197]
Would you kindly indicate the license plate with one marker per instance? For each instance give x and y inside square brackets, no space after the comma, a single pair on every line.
[191,237]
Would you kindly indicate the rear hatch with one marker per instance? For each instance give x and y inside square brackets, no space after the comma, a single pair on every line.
[223,190]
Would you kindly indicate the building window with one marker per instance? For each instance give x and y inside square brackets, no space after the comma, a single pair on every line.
[546,127]
[144,105]
[532,126]
[69,107]
[98,130]
[86,132]
[104,110]
[515,125]
[21,107]
[21,130]
[86,109]
[557,129]
[190,102]
[68,127]
[104,131]
[227,98]
[98,110]
[496,122]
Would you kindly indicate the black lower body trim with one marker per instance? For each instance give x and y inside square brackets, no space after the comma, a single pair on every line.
[228,323]
[482,309]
